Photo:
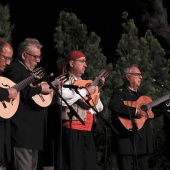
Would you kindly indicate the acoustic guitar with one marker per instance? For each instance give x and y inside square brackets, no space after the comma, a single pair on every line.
[144,103]
[9,107]
[44,100]
[93,99]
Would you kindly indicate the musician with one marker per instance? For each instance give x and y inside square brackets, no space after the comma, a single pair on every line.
[6,53]
[134,147]
[78,147]
[28,123]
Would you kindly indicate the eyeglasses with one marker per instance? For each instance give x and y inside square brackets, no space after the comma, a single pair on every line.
[136,74]
[6,58]
[82,61]
[35,56]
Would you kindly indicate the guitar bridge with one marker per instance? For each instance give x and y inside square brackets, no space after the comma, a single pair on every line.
[3,103]
[88,98]
[41,97]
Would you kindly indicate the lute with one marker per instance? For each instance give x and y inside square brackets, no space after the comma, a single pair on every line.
[93,99]
[44,100]
[9,107]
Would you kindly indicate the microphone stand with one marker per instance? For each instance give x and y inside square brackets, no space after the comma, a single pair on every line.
[104,120]
[70,115]
[106,123]
[72,111]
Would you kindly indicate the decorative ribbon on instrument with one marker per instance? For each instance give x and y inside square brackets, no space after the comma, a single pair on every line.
[92,99]
[9,107]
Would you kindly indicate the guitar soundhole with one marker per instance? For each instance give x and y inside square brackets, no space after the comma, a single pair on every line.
[144,108]
[5,85]
[86,85]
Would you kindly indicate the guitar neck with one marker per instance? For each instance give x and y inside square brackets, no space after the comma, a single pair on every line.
[55,82]
[95,82]
[158,101]
[103,73]
[24,83]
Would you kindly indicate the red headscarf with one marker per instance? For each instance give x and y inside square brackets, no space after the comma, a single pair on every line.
[73,55]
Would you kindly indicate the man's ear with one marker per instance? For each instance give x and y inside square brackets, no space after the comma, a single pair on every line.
[126,77]
[23,55]
[71,63]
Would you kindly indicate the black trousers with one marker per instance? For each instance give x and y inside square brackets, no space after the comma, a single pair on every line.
[130,162]
[78,150]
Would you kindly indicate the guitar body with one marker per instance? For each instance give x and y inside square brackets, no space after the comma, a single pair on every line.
[43,100]
[92,99]
[8,107]
[127,123]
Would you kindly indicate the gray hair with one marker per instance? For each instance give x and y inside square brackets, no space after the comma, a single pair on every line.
[128,68]
[26,45]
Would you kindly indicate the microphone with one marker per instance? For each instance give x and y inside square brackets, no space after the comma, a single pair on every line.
[158,83]
[73,86]
[44,78]
[51,75]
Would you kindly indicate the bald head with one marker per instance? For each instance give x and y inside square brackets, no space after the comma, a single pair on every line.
[6,53]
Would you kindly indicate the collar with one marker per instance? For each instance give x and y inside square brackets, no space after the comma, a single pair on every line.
[23,64]
[75,78]
[129,88]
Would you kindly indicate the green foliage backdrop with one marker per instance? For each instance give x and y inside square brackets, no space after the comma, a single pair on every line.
[6,27]
[145,51]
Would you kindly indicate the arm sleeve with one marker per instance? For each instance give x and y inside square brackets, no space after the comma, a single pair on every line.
[70,95]
[3,94]
[117,106]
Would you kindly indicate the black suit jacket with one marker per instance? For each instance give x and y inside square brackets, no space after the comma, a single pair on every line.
[27,124]
[5,142]
[138,141]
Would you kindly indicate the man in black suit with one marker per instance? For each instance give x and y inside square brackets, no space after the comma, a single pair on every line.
[133,147]
[6,53]
[28,123]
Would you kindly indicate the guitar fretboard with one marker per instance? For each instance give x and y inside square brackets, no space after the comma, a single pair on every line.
[103,73]
[158,101]
[24,83]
